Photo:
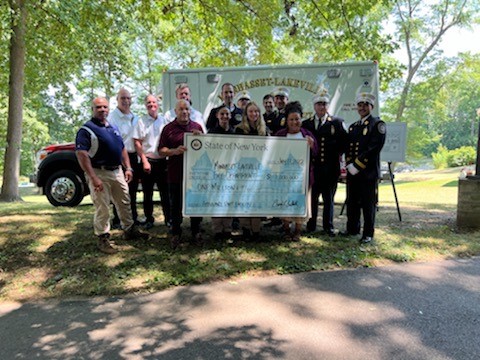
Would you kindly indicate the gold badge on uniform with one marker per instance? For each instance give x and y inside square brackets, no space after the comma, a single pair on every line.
[332,129]
[365,131]
[282,122]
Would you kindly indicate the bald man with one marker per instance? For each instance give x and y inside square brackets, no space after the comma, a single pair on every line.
[101,152]
[171,146]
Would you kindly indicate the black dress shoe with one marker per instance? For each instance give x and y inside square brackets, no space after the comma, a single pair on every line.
[311,226]
[148,225]
[366,240]
[331,233]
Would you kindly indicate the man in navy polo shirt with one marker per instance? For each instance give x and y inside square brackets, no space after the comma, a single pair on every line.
[100,152]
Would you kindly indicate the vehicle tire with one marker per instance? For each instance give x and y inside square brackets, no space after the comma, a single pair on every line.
[64,188]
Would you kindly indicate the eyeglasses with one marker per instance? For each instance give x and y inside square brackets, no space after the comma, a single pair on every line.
[125,98]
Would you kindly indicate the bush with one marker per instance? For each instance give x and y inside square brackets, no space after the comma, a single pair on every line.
[465,155]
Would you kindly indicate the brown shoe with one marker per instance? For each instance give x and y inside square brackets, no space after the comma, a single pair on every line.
[105,246]
[198,239]
[296,235]
[175,242]
[287,234]
[134,234]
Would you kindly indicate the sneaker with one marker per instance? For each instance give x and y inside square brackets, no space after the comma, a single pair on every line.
[274,222]
[134,234]
[104,244]
[366,240]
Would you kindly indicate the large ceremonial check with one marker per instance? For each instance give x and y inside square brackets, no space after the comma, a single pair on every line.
[245,176]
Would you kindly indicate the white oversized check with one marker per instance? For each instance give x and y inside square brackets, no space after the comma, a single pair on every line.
[245,176]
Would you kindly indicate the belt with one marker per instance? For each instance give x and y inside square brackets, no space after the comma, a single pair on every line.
[103,167]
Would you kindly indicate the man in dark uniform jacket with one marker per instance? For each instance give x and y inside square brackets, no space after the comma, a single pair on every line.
[270,113]
[366,138]
[280,97]
[330,133]
[228,94]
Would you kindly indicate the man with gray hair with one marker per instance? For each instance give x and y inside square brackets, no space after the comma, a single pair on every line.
[123,118]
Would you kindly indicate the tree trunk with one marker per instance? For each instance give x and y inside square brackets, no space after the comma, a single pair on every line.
[11,171]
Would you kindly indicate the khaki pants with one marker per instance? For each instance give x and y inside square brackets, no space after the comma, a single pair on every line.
[221,224]
[115,189]
[252,224]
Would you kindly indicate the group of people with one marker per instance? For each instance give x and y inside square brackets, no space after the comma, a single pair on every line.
[118,149]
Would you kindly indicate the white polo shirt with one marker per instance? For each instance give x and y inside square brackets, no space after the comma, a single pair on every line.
[148,130]
[125,124]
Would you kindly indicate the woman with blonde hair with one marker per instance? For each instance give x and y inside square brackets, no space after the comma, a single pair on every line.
[252,121]
[252,124]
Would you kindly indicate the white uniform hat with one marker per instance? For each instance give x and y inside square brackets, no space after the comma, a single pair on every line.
[280,91]
[321,98]
[366,98]
[244,95]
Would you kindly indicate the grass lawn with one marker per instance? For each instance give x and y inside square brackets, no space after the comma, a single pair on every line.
[48,252]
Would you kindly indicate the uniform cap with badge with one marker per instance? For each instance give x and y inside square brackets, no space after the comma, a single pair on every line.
[281,91]
[321,98]
[365,98]
[244,95]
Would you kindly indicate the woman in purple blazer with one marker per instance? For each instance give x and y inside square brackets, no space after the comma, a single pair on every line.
[294,130]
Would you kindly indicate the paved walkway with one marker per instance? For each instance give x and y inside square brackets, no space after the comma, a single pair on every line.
[408,311]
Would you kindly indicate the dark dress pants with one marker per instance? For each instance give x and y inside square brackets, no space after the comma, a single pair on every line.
[158,176]
[361,195]
[175,191]
[325,184]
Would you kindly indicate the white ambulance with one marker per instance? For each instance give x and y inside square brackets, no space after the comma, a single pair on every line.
[342,82]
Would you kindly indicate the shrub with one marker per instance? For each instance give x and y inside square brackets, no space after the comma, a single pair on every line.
[461,156]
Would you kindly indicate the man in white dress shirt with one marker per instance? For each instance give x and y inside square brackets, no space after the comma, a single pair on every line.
[183,92]
[154,167]
[123,118]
